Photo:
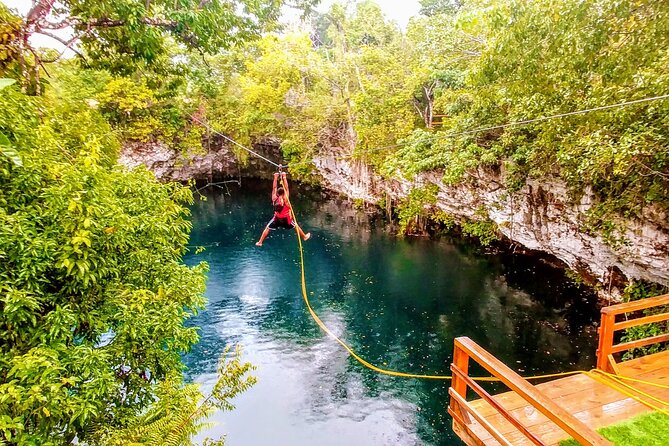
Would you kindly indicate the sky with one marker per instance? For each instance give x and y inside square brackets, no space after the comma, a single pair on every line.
[398,10]
[23,6]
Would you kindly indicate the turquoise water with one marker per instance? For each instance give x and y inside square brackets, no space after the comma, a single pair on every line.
[398,302]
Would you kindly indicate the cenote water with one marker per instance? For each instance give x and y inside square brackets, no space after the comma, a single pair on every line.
[398,302]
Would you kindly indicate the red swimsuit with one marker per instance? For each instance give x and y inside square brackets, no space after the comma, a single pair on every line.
[281,209]
[282,217]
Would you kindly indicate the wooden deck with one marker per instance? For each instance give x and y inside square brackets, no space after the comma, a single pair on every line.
[573,406]
[590,401]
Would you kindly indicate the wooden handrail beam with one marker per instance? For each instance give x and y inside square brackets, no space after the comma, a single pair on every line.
[641,321]
[460,360]
[639,343]
[609,326]
[480,391]
[605,341]
[477,416]
[566,421]
[637,305]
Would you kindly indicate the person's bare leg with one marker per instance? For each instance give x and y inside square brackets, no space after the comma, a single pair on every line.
[304,236]
[264,235]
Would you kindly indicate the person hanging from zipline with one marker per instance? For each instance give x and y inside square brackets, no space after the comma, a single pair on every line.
[282,211]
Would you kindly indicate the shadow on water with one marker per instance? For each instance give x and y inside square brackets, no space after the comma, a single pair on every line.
[398,302]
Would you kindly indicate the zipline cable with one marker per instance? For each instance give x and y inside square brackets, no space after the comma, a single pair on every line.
[546,118]
[450,135]
[440,135]
[234,142]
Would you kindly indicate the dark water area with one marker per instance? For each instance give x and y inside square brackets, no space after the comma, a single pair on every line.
[398,302]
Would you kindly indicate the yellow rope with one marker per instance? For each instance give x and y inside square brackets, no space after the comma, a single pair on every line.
[617,383]
[617,379]
[386,371]
[640,381]
[366,363]
[602,380]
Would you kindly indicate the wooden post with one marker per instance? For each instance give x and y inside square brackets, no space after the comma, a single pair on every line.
[461,361]
[605,340]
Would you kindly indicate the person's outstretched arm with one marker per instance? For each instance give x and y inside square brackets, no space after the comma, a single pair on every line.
[276,177]
[285,184]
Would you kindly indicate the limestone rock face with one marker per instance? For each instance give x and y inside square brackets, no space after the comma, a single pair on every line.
[216,162]
[540,217]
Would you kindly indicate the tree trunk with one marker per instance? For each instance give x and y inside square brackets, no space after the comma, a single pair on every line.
[429,99]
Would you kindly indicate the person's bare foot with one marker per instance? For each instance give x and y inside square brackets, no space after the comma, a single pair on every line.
[258,244]
[307,236]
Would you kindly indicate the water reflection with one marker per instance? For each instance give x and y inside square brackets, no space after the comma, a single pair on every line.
[399,303]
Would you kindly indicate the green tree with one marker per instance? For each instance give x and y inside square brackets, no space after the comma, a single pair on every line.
[368,27]
[93,292]
[123,35]
[511,61]
[436,7]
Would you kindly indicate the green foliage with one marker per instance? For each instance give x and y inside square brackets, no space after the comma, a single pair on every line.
[435,7]
[359,204]
[368,27]
[599,220]
[518,60]
[10,33]
[484,230]
[93,293]
[420,206]
[349,92]
[128,105]
[649,429]
[180,410]
[273,99]
[139,109]
[122,36]
[418,203]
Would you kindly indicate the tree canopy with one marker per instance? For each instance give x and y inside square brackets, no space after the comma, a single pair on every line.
[364,85]
[93,293]
[124,35]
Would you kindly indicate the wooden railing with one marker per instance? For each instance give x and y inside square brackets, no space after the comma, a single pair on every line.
[461,410]
[609,326]
[438,120]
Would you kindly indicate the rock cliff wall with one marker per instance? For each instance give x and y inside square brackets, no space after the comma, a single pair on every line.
[540,217]
[216,162]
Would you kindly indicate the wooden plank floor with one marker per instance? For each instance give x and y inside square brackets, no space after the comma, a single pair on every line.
[588,400]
